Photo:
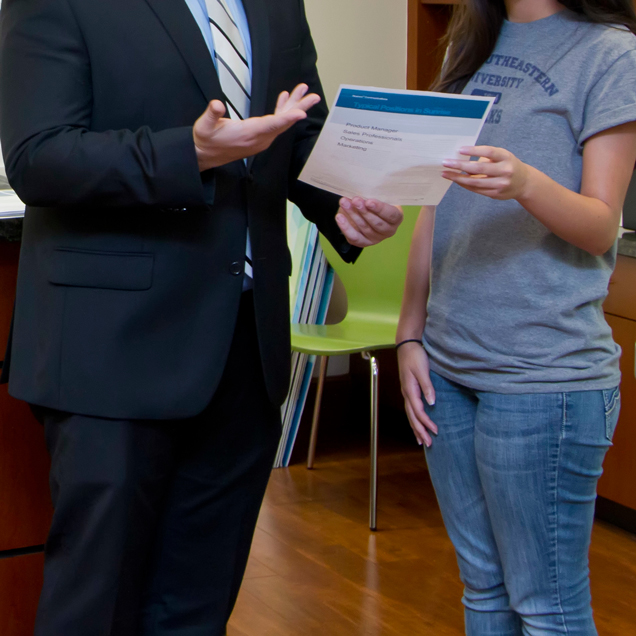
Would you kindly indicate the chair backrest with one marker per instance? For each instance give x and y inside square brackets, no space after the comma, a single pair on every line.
[375,282]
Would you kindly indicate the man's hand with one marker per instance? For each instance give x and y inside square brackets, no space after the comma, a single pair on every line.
[367,222]
[219,141]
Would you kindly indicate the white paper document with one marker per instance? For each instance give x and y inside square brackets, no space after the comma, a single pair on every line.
[389,144]
[10,205]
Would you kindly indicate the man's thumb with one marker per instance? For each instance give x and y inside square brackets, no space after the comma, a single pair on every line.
[214,112]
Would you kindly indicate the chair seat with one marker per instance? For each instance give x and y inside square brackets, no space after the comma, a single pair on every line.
[348,336]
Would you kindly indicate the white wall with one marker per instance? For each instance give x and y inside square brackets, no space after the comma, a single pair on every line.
[359,42]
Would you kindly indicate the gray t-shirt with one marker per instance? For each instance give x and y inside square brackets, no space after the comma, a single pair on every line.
[513,308]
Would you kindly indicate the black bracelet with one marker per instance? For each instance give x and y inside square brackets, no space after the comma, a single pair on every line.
[399,344]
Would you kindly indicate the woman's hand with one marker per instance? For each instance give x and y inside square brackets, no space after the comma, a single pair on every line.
[416,380]
[498,174]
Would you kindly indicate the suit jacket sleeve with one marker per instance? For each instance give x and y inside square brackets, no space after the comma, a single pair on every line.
[52,157]
[319,206]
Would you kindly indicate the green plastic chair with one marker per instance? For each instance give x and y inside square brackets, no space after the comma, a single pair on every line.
[375,286]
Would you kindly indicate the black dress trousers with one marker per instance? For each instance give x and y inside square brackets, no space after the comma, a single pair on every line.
[154,520]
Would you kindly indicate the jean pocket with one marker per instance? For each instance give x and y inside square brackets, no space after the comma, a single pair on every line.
[612,401]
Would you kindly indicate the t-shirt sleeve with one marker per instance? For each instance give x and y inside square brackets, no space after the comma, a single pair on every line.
[612,100]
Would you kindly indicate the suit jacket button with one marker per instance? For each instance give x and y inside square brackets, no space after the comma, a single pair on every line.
[236,268]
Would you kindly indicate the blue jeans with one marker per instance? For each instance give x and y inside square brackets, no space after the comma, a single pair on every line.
[515,477]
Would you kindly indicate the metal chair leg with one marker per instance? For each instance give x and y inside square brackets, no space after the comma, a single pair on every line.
[373,490]
[314,425]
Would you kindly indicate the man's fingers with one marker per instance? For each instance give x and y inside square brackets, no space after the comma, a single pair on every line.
[309,102]
[379,224]
[376,221]
[292,116]
[357,222]
[298,99]
[305,104]
[350,231]
[382,220]
[299,92]
[392,214]
[275,124]
[291,99]
[287,119]
[283,98]
[356,217]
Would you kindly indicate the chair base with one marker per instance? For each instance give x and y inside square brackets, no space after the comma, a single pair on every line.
[311,456]
[373,477]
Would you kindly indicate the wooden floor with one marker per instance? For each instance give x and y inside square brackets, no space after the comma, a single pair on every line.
[316,569]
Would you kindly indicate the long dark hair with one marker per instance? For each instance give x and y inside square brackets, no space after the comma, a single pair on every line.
[476,24]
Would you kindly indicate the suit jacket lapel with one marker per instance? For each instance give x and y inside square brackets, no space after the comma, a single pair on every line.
[184,31]
[258,21]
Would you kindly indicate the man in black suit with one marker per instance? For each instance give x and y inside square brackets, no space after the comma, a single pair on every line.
[156,361]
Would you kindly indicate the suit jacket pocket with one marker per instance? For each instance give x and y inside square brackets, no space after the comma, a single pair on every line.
[131,271]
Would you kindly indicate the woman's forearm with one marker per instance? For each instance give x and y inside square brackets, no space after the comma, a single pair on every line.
[588,220]
[417,284]
[585,221]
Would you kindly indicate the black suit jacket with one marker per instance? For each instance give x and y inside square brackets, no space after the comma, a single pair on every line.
[131,266]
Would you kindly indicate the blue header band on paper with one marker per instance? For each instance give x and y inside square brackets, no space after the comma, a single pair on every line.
[412,104]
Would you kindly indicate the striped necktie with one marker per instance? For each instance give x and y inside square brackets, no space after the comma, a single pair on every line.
[235,77]
[231,59]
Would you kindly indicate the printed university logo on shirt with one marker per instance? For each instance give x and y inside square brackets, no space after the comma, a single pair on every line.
[509,82]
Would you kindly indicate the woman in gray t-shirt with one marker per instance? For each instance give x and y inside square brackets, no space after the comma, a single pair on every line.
[515,391]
